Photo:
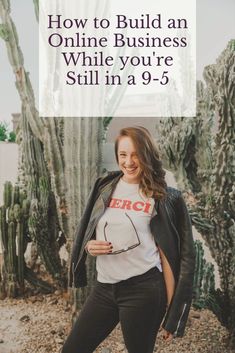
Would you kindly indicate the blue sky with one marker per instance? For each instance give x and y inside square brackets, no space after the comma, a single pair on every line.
[215,27]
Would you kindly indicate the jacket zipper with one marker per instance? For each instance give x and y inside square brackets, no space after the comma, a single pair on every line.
[177,328]
[88,238]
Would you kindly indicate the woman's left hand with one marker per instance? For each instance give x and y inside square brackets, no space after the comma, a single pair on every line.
[167,336]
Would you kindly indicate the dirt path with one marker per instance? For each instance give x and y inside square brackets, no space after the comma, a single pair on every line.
[40,324]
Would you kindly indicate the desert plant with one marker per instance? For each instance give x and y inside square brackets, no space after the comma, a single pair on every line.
[200,152]
[14,215]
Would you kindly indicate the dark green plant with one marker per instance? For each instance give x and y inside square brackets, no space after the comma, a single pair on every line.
[12,136]
[14,216]
[205,295]
[3,131]
[5,134]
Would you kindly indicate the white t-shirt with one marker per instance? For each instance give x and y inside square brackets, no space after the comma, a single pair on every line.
[125,223]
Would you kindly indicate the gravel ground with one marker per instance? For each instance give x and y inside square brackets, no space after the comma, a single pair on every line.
[40,324]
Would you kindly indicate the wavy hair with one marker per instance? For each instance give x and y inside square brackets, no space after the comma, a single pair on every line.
[152,182]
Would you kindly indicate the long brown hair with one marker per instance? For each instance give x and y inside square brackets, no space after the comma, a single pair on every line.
[152,182]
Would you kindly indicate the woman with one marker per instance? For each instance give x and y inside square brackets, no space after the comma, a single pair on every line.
[140,232]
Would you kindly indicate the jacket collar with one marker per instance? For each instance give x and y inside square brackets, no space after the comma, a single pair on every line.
[108,189]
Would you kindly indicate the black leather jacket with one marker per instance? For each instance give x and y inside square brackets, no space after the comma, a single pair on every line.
[172,231]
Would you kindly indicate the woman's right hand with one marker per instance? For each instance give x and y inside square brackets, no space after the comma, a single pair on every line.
[98,247]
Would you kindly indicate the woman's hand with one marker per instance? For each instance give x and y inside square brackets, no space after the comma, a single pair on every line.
[167,336]
[98,247]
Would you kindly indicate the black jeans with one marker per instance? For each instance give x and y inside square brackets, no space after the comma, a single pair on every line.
[139,303]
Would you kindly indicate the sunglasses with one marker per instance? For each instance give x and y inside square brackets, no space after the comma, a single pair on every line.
[128,247]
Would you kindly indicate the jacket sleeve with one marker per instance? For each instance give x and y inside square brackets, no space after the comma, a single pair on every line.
[177,313]
[80,231]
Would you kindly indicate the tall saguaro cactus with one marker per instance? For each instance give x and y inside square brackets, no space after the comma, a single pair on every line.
[201,151]
[220,80]
[36,176]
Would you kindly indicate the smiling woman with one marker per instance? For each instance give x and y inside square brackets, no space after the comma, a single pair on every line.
[128,160]
[135,226]
[138,158]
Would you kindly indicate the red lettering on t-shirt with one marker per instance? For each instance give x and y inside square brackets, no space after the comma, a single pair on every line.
[126,205]
[115,203]
[147,207]
[110,203]
[135,205]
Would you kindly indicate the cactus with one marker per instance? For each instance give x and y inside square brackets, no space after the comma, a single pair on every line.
[7,194]
[200,152]
[20,245]
[12,225]
[32,152]
[200,262]
[13,236]
[3,228]
[205,295]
